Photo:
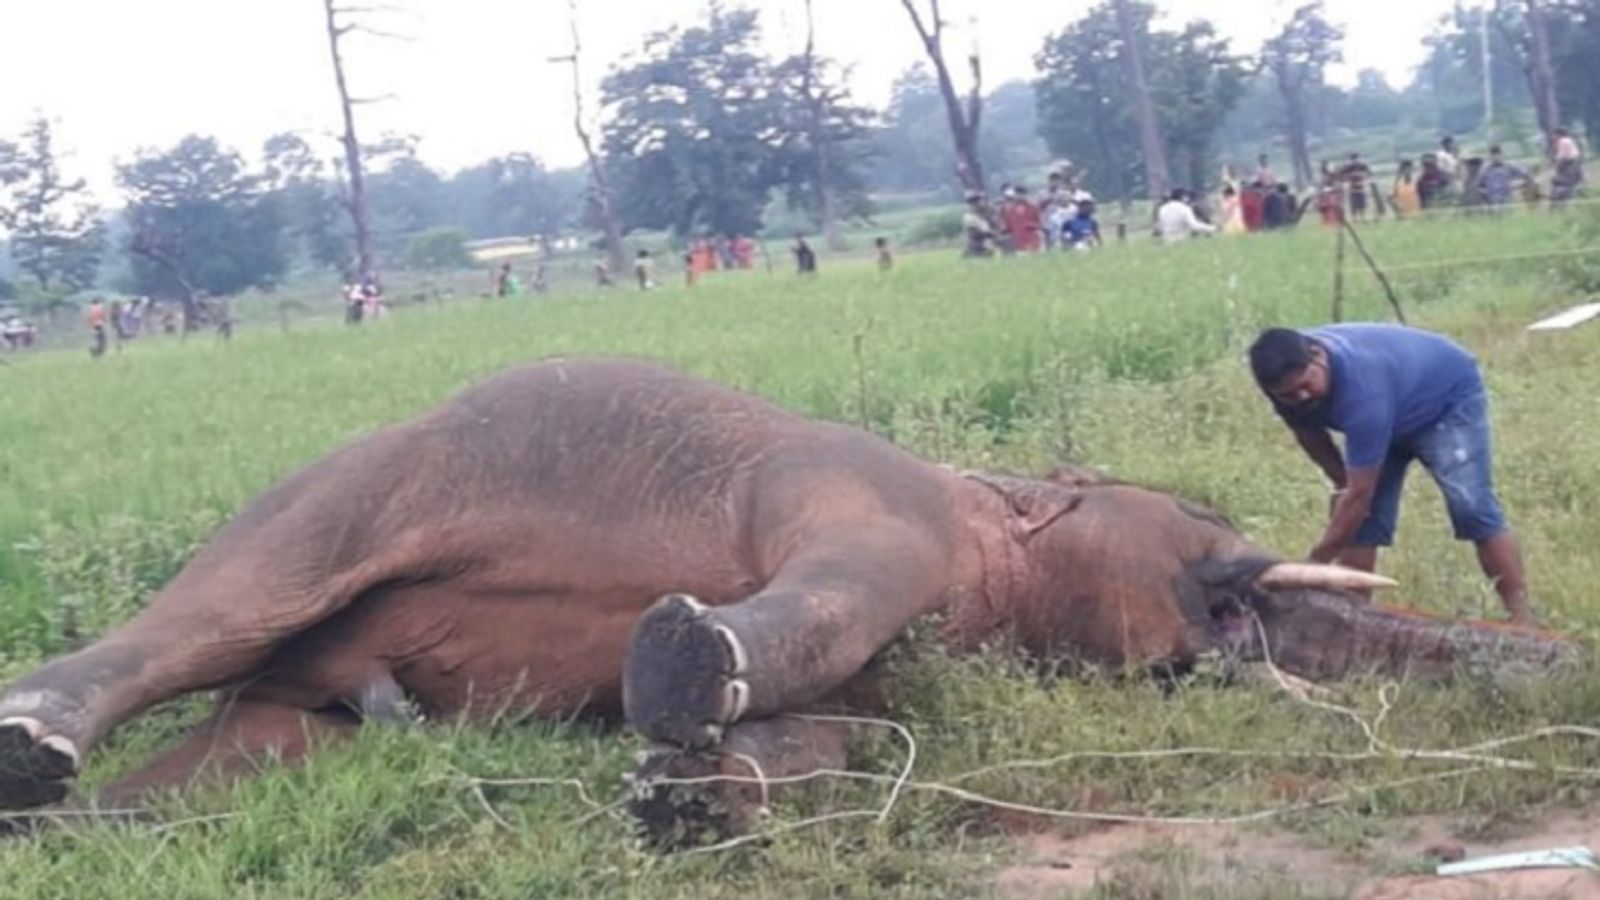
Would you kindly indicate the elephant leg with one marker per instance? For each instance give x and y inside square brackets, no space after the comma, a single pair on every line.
[691,670]
[240,737]
[684,797]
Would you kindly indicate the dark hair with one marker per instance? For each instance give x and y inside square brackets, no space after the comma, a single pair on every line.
[1277,354]
[1177,194]
[1495,148]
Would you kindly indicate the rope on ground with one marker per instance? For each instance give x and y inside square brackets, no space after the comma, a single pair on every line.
[1471,759]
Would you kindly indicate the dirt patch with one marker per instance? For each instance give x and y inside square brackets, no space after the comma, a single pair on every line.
[1221,858]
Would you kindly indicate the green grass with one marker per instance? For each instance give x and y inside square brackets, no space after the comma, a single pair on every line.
[111,473]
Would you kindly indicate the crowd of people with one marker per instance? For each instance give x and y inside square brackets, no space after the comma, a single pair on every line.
[1065,215]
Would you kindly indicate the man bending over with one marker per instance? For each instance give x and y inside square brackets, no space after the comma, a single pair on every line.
[1396,394]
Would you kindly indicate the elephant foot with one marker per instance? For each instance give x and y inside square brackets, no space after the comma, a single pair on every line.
[681,680]
[676,810]
[685,798]
[35,768]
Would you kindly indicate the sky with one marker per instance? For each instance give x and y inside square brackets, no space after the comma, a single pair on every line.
[472,80]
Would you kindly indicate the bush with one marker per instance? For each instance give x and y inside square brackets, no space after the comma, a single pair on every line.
[939,228]
[438,248]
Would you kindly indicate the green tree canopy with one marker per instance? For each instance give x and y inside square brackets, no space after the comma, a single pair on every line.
[695,128]
[56,234]
[200,221]
[1086,106]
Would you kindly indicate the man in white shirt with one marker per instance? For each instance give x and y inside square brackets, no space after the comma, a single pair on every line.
[1446,157]
[1569,167]
[1176,221]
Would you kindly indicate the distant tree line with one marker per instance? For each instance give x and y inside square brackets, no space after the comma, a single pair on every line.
[702,132]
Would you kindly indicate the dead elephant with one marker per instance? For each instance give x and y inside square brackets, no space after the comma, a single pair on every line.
[609,535]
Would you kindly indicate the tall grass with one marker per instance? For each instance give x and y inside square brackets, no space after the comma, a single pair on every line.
[111,472]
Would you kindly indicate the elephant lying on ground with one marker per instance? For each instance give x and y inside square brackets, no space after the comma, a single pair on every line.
[613,536]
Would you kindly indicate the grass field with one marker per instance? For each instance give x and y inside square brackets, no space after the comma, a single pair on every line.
[111,473]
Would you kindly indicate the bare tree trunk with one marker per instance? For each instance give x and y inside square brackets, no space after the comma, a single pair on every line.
[357,198]
[964,122]
[1155,154]
[816,104]
[1544,80]
[1294,114]
[604,201]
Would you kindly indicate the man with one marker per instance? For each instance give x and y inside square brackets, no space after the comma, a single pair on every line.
[1396,394]
[97,328]
[1499,178]
[1569,167]
[1176,221]
[1264,178]
[1082,231]
[1022,222]
[1355,174]
[1278,210]
[975,222]
[805,259]
[1447,157]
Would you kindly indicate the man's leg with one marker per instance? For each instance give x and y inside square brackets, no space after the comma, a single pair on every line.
[1458,453]
[1501,558]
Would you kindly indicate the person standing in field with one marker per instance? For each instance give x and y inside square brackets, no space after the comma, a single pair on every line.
[1232,212]
[1499,179]
[1433,184]
[885,258]
[644,270]
[1264,178]
[1569,168]
[805,258]
[1355,175]
[1082,231]
[975,223]
[1397,394]
[96,319]
[1403,195]
[1022,221]
[1448,158]
[1176,221]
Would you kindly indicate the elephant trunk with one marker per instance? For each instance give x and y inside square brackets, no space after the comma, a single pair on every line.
[1324,635]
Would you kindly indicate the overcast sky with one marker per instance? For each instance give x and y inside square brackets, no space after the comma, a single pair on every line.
[474,81]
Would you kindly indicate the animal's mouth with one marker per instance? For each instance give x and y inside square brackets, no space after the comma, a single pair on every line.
[1234,628]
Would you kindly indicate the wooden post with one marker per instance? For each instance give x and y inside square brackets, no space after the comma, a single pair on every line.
[1338,278]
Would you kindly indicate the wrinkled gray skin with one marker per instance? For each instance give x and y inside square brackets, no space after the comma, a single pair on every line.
[504,554]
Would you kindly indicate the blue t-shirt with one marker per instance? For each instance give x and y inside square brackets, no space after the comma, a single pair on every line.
[1387,383]
[1080,228]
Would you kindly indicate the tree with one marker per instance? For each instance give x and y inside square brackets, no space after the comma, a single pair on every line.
[824,144]
[1195,83]
[339,25]
[601,198]
[1452,78]
[695,128]
[1087,107]
[964,121]
[56,234]
[309,201]
[1576,26]
[1155,158]
[199,221]
[1298,57]
[516,195]
[1542,77]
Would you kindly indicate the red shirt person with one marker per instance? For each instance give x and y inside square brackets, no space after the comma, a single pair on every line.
[1023,221]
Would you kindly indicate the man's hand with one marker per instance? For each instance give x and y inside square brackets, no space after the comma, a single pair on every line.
[1349,509]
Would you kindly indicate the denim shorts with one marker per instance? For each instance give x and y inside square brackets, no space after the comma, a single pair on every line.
[1456,452]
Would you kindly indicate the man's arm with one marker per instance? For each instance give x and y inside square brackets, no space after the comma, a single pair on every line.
[1349,511]
[1197,225]
[1320,447]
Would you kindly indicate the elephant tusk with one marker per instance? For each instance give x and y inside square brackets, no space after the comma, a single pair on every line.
[1321,575]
